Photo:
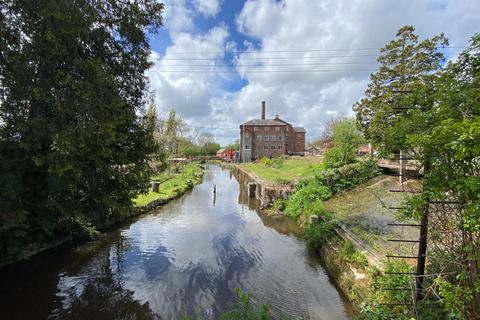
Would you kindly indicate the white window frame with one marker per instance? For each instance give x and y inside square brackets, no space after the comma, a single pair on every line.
[266,137]
[273,138]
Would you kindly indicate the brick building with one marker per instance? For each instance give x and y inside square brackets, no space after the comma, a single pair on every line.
[270,138]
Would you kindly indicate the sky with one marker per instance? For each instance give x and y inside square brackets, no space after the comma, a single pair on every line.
[310,60]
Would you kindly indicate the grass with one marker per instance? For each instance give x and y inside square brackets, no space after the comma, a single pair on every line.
[172,185]
[285,171]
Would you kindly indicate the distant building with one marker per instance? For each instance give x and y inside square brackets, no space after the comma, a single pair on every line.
[222,153]
[313,151]
[270,138]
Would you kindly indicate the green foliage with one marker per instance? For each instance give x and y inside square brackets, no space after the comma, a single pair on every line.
[272,163]
[352,255]
[346,141]
[375,308]
[406,64]
[346,177]
[73,137]
[318,234]
[280,204]
[450,146]
[307,199]
[246,309]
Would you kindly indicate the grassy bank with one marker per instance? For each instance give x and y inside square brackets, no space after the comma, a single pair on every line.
[283,170]
[172,184]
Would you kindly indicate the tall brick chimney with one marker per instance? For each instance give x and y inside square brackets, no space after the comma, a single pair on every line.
[263,111]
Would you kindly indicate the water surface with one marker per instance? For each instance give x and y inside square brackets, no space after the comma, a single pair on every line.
[184,258]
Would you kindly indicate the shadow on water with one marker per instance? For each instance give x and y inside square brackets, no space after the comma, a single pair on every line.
[186,257]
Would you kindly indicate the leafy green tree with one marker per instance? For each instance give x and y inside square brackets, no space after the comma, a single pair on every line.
[452,147]
[73,141]
[392,100]
[346,141]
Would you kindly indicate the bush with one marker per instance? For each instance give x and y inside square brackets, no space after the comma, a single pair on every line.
[307,198]
[376,307]
[352,255]
[318,234]
[347,177]
[275,163]
[280,204]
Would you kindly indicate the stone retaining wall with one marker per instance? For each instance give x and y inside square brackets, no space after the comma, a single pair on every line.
[265,191]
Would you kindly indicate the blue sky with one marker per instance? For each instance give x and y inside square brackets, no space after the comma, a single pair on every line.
[306,58]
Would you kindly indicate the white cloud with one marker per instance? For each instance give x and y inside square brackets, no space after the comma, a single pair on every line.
[189,93]
[308,98]
[178,17]
[208,7]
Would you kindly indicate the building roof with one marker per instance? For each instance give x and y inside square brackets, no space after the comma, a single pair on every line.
[263,122]
[299,129]
[221,150]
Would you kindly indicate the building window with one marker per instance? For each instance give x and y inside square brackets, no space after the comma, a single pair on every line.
[280,138]
[247,135]
[266,138]
[259,137]
[247,147]
[272,147]
[265,147]
[266,128]
[273,138]
[277,128]
[255,128]
[287,128]
[279,147]
[298,135]
[286,138]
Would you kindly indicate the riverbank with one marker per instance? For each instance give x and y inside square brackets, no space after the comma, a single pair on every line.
[170,186]
[345,215]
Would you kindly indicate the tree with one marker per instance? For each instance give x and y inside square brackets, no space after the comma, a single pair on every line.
[73,141]
[390,107]
[346,141]
[451,144]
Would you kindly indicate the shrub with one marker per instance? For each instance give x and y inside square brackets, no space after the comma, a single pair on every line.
[317,234]
[272,163]
[280,204]
[307,194]
[246,309]
[352,255]
[349,176]
[376,307]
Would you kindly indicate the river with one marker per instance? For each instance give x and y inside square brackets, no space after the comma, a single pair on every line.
[184,258]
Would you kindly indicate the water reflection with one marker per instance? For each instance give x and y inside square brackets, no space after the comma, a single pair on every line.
[187,257]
